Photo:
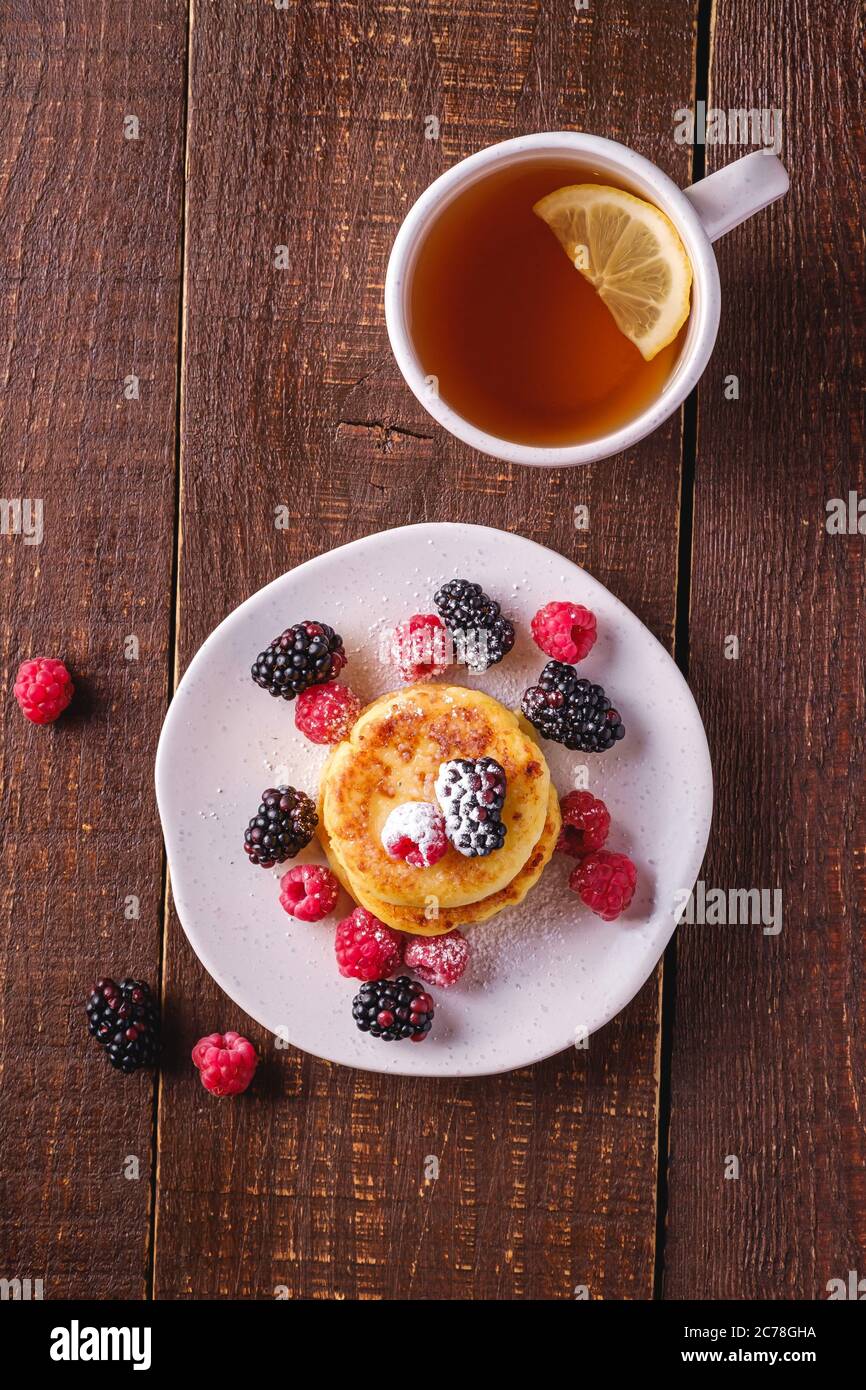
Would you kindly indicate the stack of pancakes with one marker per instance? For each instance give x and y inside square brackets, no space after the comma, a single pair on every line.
[393,755]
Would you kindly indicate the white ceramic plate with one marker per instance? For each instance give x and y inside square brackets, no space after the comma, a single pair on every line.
[542,974]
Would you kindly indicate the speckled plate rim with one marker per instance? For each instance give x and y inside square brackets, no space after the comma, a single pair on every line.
[647,953]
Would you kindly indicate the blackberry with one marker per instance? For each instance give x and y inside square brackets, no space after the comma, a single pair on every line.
[123,1018]
[282,826]
[472,794]
[476,621]
[567,709]
[304,655]
[393,1009]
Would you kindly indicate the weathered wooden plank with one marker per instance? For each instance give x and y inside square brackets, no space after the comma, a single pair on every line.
[89,296]
[769,1058]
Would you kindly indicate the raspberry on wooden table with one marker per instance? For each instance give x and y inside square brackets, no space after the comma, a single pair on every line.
[226,1063]
[43,688]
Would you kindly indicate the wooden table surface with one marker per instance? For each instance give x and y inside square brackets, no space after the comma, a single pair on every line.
[303,125]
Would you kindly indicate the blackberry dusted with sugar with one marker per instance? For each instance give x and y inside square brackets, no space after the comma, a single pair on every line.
[471,793]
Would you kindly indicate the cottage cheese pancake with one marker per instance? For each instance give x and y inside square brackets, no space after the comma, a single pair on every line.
[416,920]
[393,755]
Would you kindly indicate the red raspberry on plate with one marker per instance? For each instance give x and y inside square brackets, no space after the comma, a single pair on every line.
[226,1063]
[421,647]
[326,713]
[43,688]
[438,960]
[566,631]
[606,882]
[366,949]
[585,824]
[415,831]
[309,892]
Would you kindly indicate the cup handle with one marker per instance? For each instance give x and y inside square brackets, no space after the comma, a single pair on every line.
[726,198]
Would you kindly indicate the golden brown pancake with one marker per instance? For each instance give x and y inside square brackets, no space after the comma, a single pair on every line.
[393,755]
[416,921]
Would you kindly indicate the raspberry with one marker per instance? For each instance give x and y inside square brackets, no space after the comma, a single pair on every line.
[606,882]
[472,794]
[366,949]
[43,688]
[393,1010]
[566,631]
[226,1063]
[439,960]
[421,647]
[415,831]
[326,713]
[309,892]
[585,824]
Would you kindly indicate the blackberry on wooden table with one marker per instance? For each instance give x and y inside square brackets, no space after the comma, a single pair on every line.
[124,1020]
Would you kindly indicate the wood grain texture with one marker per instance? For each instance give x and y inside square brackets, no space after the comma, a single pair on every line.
[769,1055]
[89,294]
[306,130]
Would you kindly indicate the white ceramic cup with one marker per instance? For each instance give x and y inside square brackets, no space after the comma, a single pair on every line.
[701,215]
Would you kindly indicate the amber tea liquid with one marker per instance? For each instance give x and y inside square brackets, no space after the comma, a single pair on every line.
[521,344]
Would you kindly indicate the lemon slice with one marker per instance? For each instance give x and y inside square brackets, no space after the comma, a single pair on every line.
[630,252]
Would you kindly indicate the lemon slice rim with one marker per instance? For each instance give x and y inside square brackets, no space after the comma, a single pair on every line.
[674,309]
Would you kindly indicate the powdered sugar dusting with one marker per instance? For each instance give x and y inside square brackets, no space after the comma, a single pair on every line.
[438,960]
[543,922]
[421,823]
